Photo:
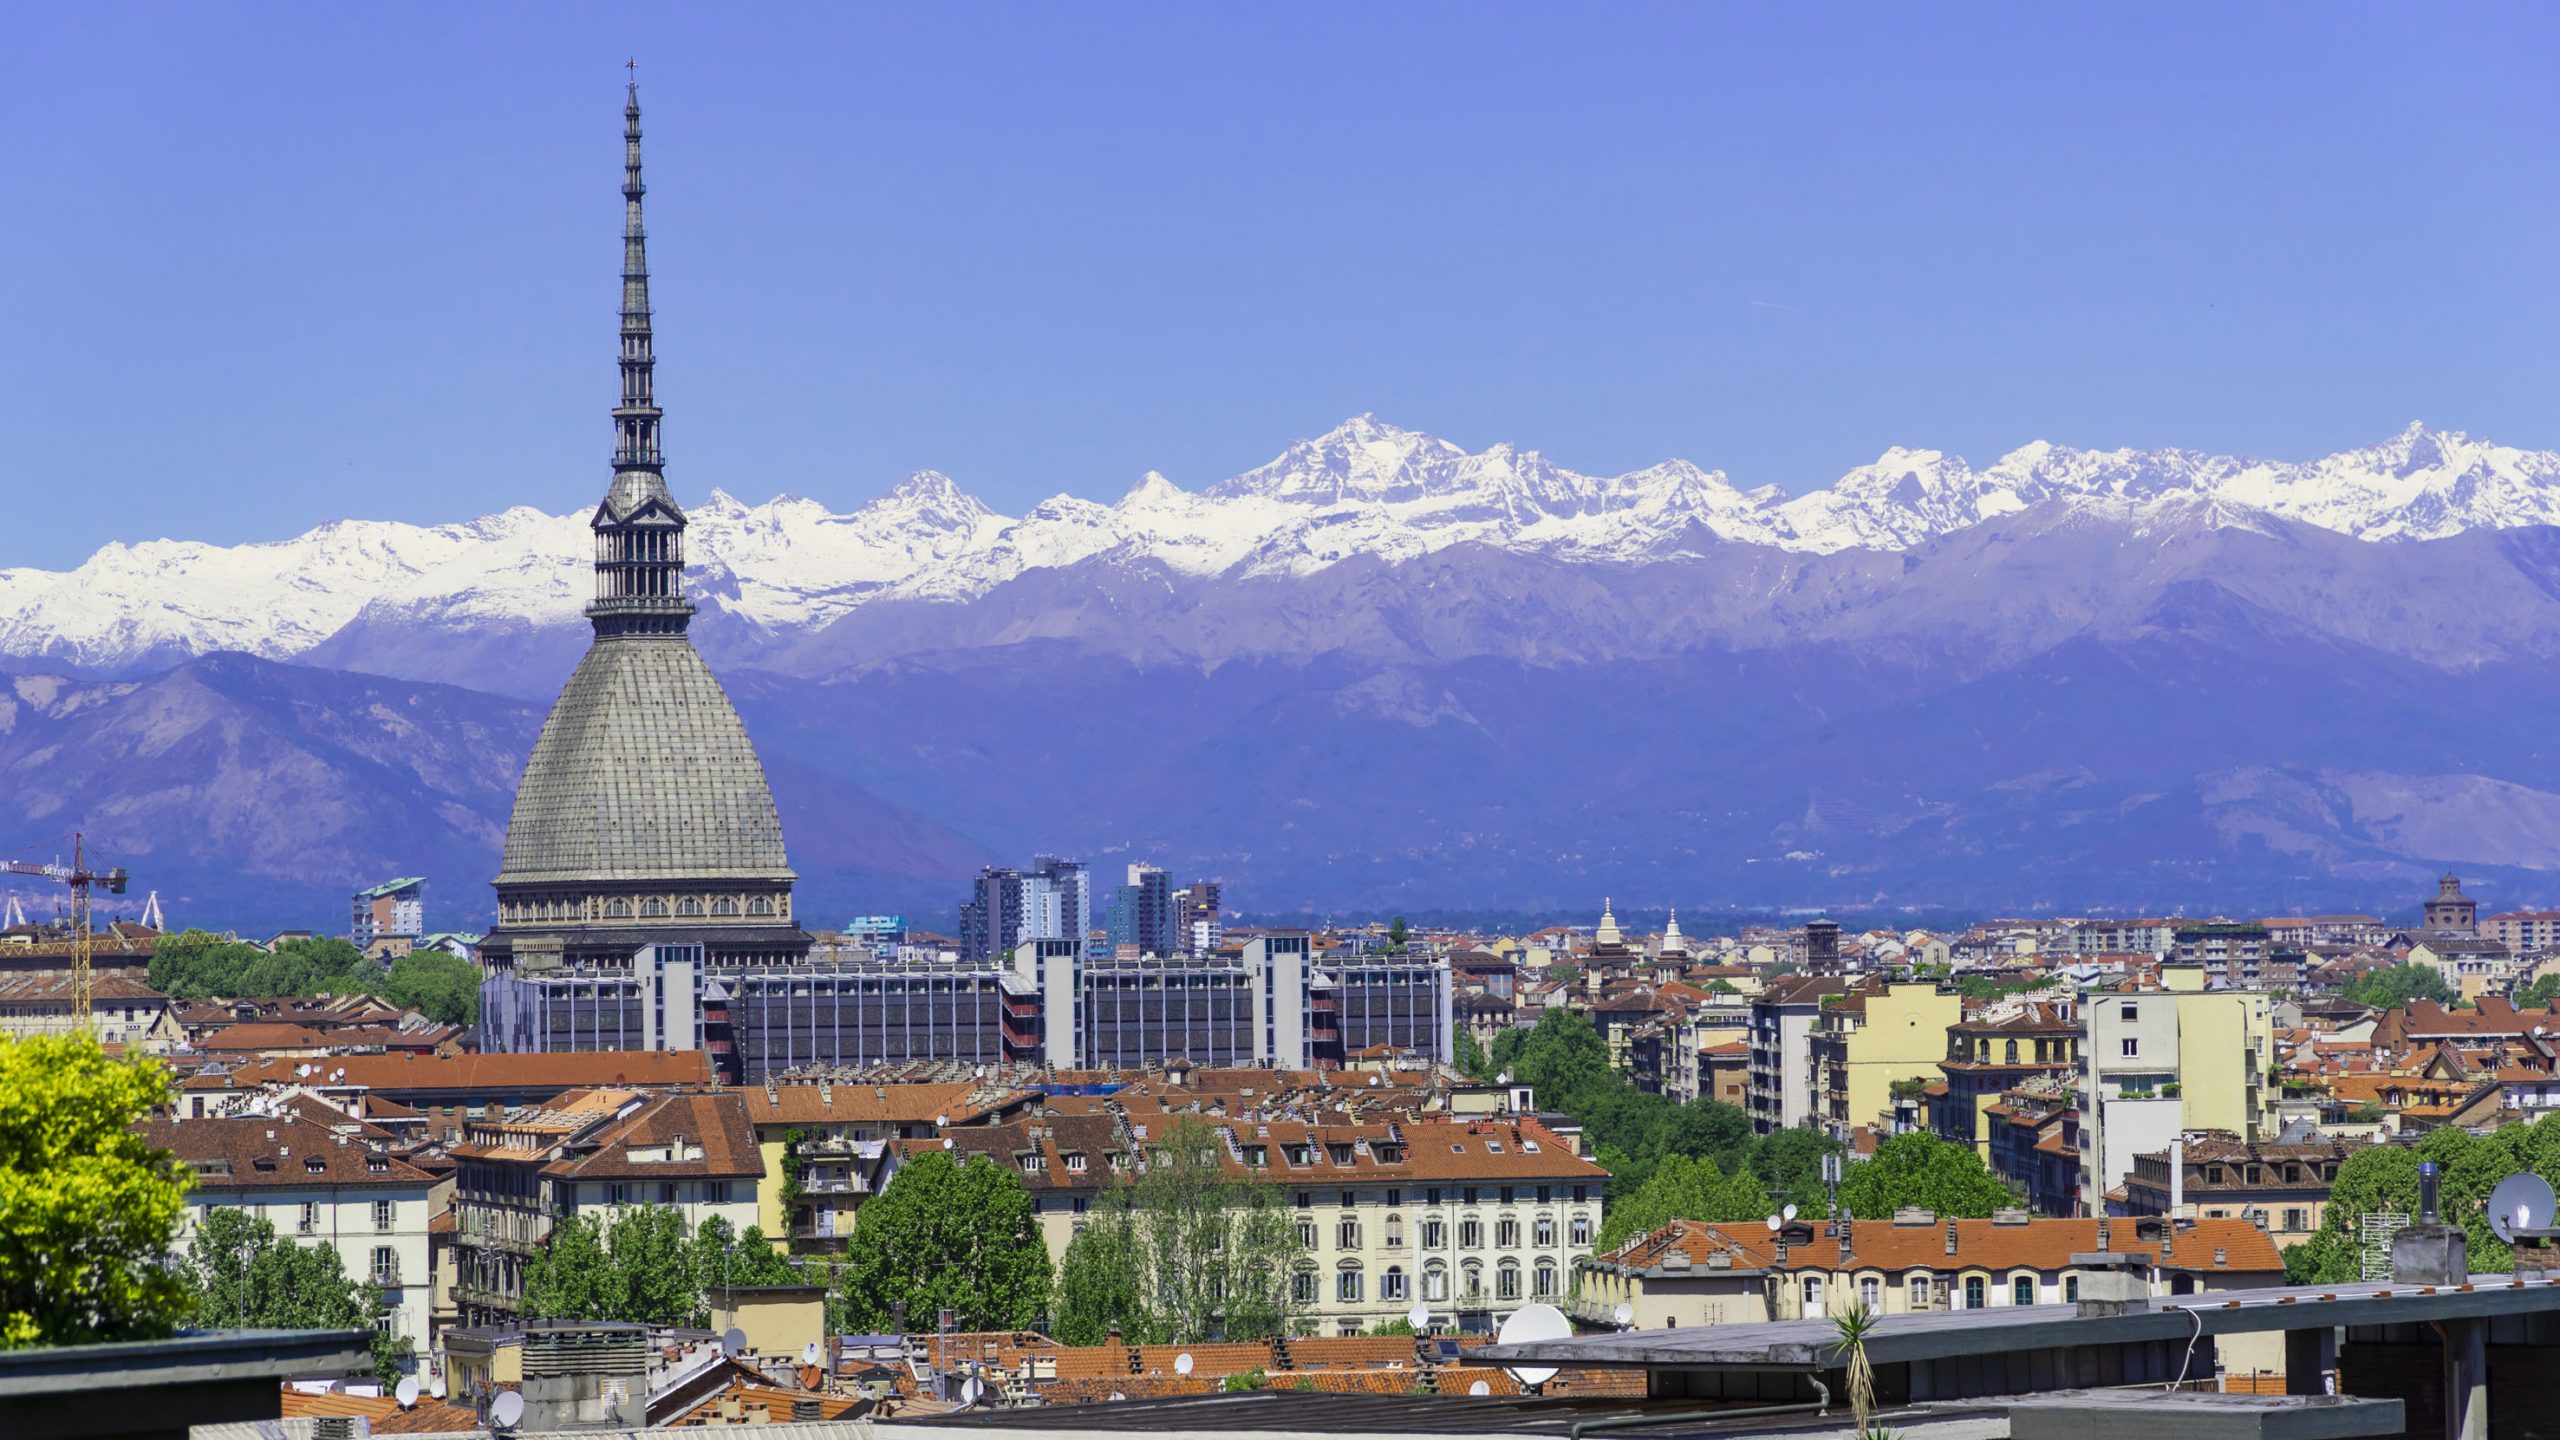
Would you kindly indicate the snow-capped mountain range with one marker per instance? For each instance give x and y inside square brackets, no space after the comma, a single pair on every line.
[1364,489]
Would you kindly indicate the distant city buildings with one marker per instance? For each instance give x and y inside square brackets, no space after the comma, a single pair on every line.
[395,910]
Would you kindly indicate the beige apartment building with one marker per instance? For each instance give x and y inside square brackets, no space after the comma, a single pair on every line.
[1473,1218]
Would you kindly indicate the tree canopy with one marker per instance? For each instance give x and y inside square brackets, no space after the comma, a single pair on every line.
[2398,985]
[2385,1177]
[1922,1170]
[442,987]
[1631,1132]
[946,1236]
[88,1212]
[1187,1252]
[642,1265]
[1681,1188]
[244,1276]
[197,965]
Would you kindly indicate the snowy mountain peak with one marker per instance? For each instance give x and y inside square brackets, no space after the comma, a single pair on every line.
[1363,488]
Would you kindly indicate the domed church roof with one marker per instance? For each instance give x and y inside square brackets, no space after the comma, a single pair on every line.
[643,772]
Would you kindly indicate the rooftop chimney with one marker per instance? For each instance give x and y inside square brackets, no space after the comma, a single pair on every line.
[1951,1235]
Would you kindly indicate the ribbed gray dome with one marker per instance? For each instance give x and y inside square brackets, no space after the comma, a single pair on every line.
[643,772]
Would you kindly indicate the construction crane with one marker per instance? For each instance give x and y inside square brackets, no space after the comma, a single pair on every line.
[81,879]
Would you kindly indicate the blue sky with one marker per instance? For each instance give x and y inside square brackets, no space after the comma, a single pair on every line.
[270,265]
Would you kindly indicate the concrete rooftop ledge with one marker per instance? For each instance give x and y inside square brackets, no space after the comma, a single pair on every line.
[161,1387]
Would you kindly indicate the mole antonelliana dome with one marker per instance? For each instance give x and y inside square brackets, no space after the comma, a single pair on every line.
[643,806]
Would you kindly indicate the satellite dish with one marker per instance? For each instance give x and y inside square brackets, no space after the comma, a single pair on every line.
[506,1410]
[1419,1316]
[947,1143]
[406,1392]
[1531,1323]
[2522,1201]
[435,1382]
[1116,1395]
[1479,1388]
[1774,1222]
[809,1353]
[1626,1314]
[941,1122]
[1182,1363]
[1788,1213]
[734,1344]
[971,1389]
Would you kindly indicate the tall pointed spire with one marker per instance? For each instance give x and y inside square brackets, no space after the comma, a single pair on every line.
[635,420]
[639,527]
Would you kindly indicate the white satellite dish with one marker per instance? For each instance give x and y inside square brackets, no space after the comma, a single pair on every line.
[1116,1395]
[406,1392]
[941,1122]
[1626,1314]
[1419,1316]
[810,1353]
[1774,1222]
[1531,1323]
[506,1410]
[1788,1213]
[1479,1388]
[971,1389]
[1183,1363]
[2522,1201]
[734,1344]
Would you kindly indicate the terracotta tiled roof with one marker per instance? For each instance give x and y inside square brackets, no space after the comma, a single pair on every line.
[258,1151]
[384,1414]
[565,1070]
[717,1120]
[263,1036]
[2040,1243]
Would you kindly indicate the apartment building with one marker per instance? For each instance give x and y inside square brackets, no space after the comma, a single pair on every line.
[825,1144]
[1869,1041]
[2524,932]
[2281,1186]
[2159,1063]
[122,1010]
[1992,1054]
[594,1152]
[318,1184]
[1783,1017]
[1692,1273]
[1471,1217]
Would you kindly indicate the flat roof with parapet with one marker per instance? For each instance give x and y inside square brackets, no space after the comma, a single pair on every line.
[1813,1345]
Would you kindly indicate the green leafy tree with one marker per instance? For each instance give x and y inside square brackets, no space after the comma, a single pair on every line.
[445,988]
[2398,985]
[1790,1163]
[2385,1177]
[1470,1058]
[195,965]
[1681,1188]
[1398,935]
[1565,1060]
[1220,1250]
[244,1276]
[88,1212]
[1102,1277]
[1923,1170]
[643,1267]
[1189,1251]
[947,1236]
[2540,993]
[573,1277]
[744,1259]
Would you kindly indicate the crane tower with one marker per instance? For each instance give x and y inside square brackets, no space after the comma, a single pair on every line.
[81,879]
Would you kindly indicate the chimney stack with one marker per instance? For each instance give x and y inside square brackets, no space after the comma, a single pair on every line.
[2177,1180]
[1951,1235]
